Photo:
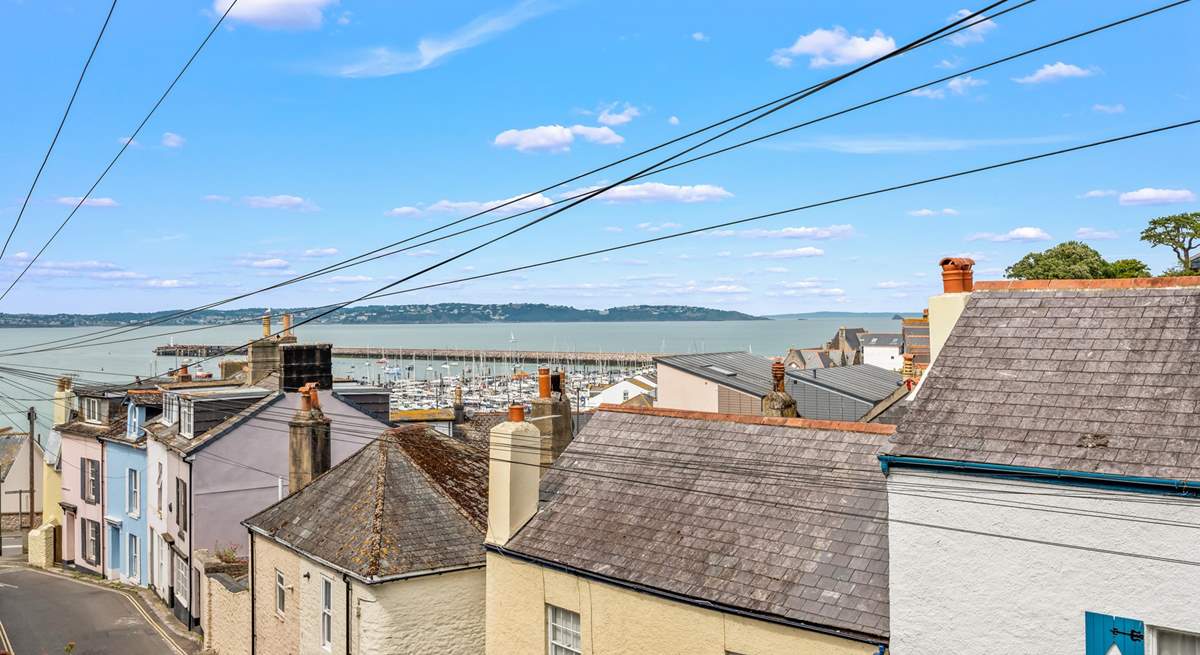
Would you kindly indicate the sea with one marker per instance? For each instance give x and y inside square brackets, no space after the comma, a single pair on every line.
[130,355]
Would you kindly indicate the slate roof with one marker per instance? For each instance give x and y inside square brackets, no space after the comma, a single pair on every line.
[711,509]
[751,373]
[411,501]
[10,446]
[863,381]
[1101,377]
[882,339]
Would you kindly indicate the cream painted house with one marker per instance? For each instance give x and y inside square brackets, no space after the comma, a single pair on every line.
[382,554]
[682,533]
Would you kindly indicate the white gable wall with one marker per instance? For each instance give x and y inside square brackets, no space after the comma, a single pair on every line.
[957,592]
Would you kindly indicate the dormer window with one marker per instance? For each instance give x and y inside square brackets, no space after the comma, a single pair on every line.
[134,420]
[91,410]
[170,409]
[185,418]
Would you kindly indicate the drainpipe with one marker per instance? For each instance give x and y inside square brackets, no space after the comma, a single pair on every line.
[253,638]
[103,491]
[191,608]
[345,579]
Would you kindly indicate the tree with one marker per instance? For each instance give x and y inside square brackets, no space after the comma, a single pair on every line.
[1128,268]
[1179,232]
[1073,260]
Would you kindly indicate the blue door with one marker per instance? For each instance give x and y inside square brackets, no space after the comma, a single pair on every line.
[1105,631]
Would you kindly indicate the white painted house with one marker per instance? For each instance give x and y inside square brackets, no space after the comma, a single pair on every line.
[622,390]
[1044,488]
[885,350]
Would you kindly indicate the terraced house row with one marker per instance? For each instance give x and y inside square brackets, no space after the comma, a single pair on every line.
[1034,489]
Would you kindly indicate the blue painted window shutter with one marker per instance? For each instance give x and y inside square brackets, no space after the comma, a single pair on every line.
[1104,631]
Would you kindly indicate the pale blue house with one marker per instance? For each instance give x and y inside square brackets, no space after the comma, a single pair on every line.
[125,503]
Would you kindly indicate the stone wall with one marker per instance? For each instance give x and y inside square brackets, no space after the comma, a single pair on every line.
[226,615]
[41,546]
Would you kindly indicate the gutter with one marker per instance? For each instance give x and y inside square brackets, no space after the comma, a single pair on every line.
[690,600]
[1047,475]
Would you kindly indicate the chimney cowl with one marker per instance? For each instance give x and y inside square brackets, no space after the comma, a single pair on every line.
[543,383]
[777,374]
[956,274]
[516,413]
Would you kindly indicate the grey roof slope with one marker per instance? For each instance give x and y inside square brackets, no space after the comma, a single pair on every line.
[751,373]
[411,501]
[1097,380]
[752,537]
[10,446]
[862,381]
[882,339]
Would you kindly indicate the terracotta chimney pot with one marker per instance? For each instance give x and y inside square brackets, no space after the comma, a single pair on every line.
[956,274]
[266,323]
[543,383]
[777,373]
[516,413]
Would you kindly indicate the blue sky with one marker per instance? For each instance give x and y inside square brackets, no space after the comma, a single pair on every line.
[310,130]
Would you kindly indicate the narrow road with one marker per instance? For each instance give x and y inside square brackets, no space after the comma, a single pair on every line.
[42,613]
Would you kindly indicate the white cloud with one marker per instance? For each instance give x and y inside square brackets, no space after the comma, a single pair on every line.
[674,120]
[172,140]
[925,211]
[657,191]
[611,118]
[957,86]
[974,33]
[1149,196]
[172,283]
[657,227]
[281,201]
[613,228]
[790,253]
[1055,71]
[699,36]
[403,211]
[271,263]
[117,275]
[725,289]
[949,64]
[128,141]
[724,253]
[554,138]
[1098,193]
[1015,234]
[90,202]
[213,197]
[429,51]
[320,252]
[807,287]
[1090,234]
[776,269]
[799,232]
[473,206]
[421,253]
[834,48]
[892,284]
[277,14]
[350,279]
[1109,109]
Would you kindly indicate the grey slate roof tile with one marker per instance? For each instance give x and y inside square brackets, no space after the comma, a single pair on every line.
[1120,363]
[715,510]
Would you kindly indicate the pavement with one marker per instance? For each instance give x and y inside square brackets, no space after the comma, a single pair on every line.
[42,612]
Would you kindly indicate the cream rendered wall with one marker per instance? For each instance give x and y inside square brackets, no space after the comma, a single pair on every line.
[616,621]
[276,634]
[944,310]
[441,614]
[953,592]
[680,390]
[51,495]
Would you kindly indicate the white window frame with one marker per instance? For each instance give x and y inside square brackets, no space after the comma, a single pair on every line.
[90,480]
[134,558]
[186,418]
[280,593]
[1154,633]
[326,613]
[91,410]
[91,542]
[554,616]
[170,408]
[182,591]
[133,493]
[159,481]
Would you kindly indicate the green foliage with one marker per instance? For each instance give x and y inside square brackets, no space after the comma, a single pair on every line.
[1179,232]
[1128,268]
[1073,260]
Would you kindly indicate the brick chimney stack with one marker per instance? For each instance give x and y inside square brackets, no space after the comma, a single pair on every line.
[287,336]
[182,375]
[551,415]
[263,353]
[958,281]
[778,402]
[512,475]
[64,399]
[309,445]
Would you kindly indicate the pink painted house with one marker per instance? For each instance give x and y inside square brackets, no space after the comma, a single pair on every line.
[96,413]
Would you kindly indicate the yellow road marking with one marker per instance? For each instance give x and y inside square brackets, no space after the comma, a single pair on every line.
[5,642]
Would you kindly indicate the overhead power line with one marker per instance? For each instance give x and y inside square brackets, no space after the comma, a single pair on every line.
[389,249]
[63,121]
[124,146]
